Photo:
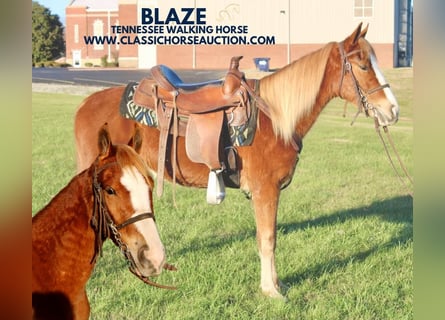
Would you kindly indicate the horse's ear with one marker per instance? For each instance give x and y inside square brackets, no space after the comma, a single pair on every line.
[364,31]
[136,140]
[353,38]
[104,141]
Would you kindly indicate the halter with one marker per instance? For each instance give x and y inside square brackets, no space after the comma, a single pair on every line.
[362,96]
[104,228]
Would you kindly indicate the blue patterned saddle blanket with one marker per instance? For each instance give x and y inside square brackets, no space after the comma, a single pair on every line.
[240,135]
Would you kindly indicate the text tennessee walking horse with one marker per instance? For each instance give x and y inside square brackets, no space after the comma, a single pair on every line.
[295,96]
[112,198]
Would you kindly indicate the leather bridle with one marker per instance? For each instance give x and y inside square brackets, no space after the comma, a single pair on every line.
[362,95]
[364,104]
[104,227]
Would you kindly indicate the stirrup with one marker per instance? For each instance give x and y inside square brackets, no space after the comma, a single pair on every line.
[216,191]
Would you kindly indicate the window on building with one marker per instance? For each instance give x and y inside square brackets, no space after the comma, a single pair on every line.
[76,33]
[98,30]
[363,8]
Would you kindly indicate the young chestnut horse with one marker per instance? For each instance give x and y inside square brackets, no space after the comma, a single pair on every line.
[112,198]
[295,95]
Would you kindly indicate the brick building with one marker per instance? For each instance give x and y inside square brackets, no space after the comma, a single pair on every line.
[297,27]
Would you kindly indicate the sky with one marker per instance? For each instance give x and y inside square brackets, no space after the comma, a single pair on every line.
[56,7]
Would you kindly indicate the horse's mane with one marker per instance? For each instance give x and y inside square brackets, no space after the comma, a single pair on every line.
[303,78]
[126,156]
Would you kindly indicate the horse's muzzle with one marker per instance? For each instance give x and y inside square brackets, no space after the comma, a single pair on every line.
[386,118]
[150,265]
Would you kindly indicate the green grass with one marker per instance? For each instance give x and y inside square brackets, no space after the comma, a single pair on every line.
[345,229]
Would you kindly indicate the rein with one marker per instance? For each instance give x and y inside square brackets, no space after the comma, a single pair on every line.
[391,142]
[104,228]
[364,104]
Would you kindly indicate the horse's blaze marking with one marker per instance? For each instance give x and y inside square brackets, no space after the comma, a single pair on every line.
[388,93]
[138,188]
[135,183]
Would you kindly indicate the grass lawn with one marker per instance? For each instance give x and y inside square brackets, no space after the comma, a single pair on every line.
[345,228]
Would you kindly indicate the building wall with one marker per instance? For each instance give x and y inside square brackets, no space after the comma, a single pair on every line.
[128,55]
[75,19]
[147,55]
[84,20]
[299,27]
[307,25]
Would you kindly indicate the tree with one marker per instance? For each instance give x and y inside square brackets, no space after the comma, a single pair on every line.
[47,35]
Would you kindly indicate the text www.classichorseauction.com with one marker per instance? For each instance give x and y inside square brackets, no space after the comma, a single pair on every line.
[184,30]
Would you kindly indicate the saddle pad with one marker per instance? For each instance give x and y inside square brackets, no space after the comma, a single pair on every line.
[130,110]
[241,135]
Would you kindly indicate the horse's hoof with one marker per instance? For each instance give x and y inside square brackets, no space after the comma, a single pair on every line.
[274,294]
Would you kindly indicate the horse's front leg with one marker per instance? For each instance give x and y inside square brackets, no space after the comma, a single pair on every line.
[265,202]
[81,307]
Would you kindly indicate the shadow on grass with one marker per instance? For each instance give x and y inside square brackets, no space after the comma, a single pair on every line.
[331,266]
[397,210]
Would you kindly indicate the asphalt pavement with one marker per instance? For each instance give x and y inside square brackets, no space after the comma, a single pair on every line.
[112,77]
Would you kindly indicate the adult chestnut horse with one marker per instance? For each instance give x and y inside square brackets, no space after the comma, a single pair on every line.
[110,199]
[295,94]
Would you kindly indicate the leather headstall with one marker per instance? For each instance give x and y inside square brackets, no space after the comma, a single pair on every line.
[362,95]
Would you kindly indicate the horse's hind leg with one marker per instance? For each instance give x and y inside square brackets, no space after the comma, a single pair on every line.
[265,201]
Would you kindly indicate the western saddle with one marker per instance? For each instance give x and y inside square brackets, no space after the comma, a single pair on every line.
[199,111]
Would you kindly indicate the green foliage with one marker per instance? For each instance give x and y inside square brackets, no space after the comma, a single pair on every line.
[47,35]
[51,64]
[104,61]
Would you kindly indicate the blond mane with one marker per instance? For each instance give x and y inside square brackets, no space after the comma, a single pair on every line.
[291,91]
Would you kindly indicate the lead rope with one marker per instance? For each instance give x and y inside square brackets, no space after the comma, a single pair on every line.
[132,264]
[397,154]
[404,183]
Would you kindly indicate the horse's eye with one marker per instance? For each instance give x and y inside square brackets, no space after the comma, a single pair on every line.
[110,191]
[363,67]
